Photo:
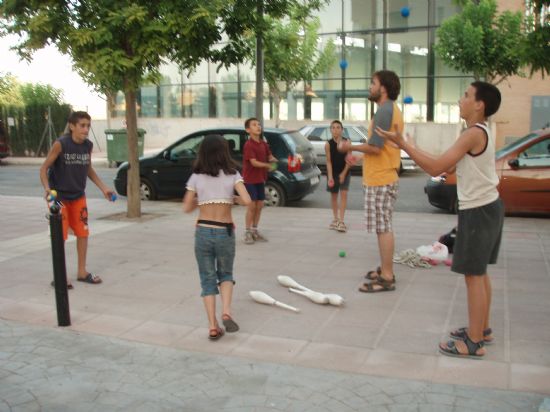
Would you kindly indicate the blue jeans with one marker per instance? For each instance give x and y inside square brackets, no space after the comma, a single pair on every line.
[215,253]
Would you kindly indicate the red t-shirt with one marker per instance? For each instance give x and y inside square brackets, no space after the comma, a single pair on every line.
[259,151]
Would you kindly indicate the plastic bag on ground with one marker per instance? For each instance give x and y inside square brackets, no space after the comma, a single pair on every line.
[434,253]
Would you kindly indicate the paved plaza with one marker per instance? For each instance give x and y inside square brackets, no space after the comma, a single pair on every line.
[139,340]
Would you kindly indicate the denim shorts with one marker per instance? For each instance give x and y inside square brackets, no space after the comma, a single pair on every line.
[215,253]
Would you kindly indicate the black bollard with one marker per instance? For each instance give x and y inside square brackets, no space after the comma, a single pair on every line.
[59,269]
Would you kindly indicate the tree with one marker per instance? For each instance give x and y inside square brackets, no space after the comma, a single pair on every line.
[117,45]
[482,42]
[9,90]
[291,53]
[490,45]
[536,46]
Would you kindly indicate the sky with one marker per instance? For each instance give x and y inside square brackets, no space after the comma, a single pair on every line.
[51,67]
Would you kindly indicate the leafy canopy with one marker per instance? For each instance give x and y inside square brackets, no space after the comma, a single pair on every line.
[13,93]
[482,42]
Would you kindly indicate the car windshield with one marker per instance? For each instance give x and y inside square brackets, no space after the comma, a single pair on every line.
[296,141]
[514,145]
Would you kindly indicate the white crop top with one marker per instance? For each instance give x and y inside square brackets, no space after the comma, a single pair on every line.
[214,189]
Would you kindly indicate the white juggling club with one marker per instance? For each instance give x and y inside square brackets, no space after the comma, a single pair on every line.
[264,298]
[288,282]
[311,295]
[335,299]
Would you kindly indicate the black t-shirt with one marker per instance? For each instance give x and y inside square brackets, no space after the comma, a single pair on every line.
[69,173]
[337,159]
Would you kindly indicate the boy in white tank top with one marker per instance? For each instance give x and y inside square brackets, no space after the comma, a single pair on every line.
[480,215]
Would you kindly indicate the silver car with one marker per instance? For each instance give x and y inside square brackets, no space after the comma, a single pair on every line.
[319,134]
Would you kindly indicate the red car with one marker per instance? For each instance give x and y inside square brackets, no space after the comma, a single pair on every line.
[523,168]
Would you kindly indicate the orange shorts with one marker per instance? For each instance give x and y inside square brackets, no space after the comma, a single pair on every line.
[75,216]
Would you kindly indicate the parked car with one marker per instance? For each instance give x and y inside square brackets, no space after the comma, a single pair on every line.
[319,134]
[523,168]
[4,147]
[166,173]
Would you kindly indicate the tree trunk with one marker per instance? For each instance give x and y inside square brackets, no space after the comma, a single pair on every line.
[277,104]
[133,193]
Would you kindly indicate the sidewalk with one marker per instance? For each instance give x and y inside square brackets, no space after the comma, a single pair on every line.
[141,335]
[99,158]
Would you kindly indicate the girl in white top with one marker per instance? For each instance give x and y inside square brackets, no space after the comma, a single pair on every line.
[211,188]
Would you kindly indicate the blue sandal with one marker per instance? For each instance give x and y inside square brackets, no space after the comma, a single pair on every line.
[450,349]
[461,333]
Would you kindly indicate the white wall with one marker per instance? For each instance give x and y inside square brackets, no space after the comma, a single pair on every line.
[431,137]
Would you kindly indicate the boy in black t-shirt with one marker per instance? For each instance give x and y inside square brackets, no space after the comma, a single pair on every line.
[66,169]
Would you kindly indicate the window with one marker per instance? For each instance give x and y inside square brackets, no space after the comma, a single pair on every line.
[537,155]
[234,142]
[187,148]
[354,135]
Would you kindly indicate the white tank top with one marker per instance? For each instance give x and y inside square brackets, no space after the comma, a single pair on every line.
[476,177]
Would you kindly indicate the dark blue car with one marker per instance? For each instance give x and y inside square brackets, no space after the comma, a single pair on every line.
[165,174]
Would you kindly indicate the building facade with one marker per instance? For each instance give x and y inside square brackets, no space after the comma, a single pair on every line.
[368,35]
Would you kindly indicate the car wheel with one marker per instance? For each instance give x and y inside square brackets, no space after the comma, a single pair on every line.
[146,190]
[274,194]
[400,169]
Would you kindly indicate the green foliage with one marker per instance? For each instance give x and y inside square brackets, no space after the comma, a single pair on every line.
[40,94]
[536,46]
[290,50]
[27,137]
[482,42]
[9,90]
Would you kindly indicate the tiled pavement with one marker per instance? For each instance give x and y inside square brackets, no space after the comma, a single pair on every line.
[148,316]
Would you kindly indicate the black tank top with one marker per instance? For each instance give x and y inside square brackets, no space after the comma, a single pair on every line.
[337,159]
[69,173]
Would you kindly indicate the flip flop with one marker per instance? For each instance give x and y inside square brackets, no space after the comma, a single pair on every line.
[69,285]
[229,324]
[219,333]
[93,279]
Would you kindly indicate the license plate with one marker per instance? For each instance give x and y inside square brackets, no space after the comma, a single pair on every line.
[314,180]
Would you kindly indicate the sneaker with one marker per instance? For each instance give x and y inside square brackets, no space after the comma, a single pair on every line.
[248,237]
[333,225]
[258,237]
[341,227]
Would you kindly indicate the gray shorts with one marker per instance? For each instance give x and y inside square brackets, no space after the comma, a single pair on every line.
[478,238]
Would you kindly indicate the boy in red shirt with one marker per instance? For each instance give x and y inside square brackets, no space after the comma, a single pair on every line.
[257,159]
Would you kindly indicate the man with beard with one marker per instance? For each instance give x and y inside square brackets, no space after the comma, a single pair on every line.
[381,162]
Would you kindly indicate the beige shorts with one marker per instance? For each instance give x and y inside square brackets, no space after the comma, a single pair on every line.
[379,203]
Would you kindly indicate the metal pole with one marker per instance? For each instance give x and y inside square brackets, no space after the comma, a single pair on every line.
[59,269]
[343,66]
[259,65]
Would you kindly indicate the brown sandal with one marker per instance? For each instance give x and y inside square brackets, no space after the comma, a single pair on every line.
[218,333]
[385,286]
[373,274]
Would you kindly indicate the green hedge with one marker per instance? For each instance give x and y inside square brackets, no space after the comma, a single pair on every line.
[30,134]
